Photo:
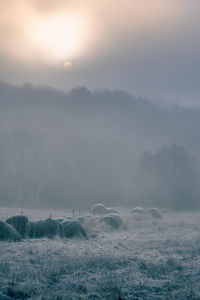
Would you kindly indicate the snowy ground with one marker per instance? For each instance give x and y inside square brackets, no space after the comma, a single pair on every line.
[150,259]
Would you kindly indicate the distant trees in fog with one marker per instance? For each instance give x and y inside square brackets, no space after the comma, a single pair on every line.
[84,147]
[25,170]
[170,176]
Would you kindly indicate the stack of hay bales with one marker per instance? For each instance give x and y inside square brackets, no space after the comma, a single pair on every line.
[17,227]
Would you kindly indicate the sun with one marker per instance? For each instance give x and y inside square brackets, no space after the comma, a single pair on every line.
[59,36]
[68,65]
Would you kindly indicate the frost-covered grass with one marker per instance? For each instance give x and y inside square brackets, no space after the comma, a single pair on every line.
[150,259]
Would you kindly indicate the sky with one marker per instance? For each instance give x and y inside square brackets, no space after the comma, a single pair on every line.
[146,47]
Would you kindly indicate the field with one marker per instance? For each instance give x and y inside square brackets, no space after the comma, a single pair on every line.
[148,259]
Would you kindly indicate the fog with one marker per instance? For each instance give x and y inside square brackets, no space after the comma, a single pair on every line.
[148,46]
[79,148]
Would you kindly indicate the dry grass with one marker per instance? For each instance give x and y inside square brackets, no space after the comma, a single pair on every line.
[149,260]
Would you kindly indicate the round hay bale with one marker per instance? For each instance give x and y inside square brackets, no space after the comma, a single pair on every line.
[99,209]
[155,213]
[112,221]
[8,233]
[20,223]
[61,219]
[138,210]
[72,228]
[138,217]
[45,228]
[117,218]
[110,210]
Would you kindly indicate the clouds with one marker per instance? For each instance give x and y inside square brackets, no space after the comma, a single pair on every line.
[108,22]
[151,47]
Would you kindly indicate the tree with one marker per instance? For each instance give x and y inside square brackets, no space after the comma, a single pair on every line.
[24,163]
[172,173]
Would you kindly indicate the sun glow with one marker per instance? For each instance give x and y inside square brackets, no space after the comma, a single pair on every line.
[59,37]
[68,65]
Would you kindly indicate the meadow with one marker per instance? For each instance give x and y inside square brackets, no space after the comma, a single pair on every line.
[146,259]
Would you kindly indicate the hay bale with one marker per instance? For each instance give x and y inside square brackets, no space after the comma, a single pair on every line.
[138,217]
[110,210]
[8,233]
[138,210]
[155,213]
[61,219]
[72,228]
[45,228]
[99,209]
[20,223]
[112,221]
[118,219]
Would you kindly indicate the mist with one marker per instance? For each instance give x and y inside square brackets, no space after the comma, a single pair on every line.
[79,148]
[150,47]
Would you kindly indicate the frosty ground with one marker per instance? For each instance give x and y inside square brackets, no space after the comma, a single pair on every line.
[149,259]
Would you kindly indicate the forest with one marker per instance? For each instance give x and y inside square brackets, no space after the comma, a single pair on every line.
[79,148]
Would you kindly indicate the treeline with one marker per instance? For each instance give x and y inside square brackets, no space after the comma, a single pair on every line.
[79,148]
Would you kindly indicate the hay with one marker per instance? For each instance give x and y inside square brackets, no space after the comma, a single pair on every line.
[138,210]
[113,221]
[99,209]
[72,228]
[8,233]
[45,228]
[20,223]
[155,213]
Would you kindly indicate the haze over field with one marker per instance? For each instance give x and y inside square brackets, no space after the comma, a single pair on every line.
[99,149]
[79,133]
[83,147]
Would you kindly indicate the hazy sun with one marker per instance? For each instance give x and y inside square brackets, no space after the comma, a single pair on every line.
[59,37]
[68,65]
